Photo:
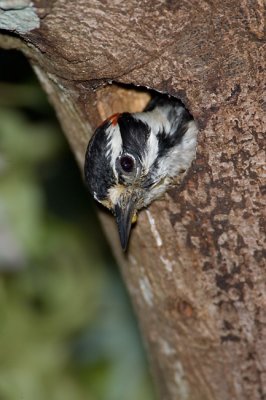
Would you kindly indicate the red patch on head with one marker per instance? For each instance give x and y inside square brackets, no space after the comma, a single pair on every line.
[113,119]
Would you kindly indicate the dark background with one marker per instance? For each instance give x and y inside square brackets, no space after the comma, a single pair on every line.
[66,326]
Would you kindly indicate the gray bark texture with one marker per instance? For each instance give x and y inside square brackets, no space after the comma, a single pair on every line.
[195,268]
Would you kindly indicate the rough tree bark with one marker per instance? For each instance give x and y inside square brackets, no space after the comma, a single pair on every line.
[195,264]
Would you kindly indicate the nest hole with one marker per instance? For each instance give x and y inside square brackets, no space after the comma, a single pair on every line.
[119,98]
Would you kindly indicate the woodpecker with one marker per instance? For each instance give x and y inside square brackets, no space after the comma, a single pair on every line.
[132,158]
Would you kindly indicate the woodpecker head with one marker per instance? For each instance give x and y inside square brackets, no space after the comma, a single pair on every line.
[131,158]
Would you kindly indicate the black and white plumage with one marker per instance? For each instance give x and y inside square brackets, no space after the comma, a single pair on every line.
[132,158]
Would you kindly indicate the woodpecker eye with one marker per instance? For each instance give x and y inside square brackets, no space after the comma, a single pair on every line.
[127,163]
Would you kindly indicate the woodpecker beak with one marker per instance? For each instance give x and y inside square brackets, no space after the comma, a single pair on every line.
[125,215]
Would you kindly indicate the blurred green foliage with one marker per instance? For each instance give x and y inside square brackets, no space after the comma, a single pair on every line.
[66,326]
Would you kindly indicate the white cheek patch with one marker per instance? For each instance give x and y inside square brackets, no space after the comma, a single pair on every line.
[114,148]
[181,156]
[151,152]
[157,122]
[155,119]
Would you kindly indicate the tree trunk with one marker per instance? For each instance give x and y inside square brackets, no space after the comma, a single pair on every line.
[194,268]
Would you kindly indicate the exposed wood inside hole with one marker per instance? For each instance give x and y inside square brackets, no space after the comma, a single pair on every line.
[117,99]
